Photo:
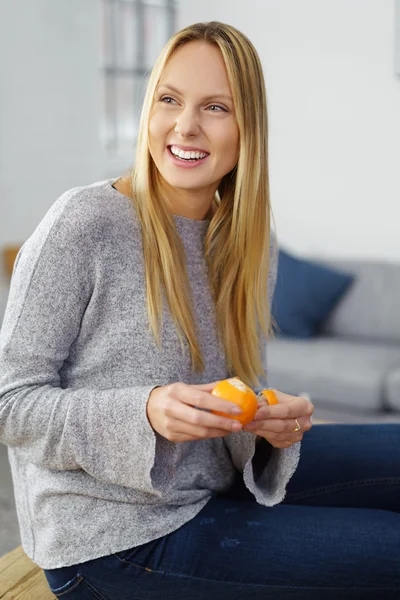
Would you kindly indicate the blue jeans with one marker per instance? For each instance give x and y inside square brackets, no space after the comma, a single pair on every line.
[335,536]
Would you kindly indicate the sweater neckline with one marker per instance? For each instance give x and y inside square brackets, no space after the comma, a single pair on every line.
[179,219]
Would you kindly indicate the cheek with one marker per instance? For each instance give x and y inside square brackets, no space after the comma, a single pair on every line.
[153,130]
[160,124]
[230,147]
[158,128]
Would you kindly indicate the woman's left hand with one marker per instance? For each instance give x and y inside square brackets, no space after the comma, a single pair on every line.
[276,422]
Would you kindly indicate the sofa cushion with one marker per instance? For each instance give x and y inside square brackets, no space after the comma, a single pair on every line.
[348,374]
[370,308]
[392,388]
[305,294]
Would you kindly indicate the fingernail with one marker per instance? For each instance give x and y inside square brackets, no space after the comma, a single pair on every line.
[236,410]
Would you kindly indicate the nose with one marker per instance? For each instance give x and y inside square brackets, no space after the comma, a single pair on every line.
[187,124]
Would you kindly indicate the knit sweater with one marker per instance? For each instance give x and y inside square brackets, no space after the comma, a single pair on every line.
[77,365]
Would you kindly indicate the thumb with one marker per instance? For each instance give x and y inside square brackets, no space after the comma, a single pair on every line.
[206,387]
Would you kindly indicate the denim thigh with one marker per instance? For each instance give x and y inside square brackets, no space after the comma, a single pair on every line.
[236,547]
[243,549]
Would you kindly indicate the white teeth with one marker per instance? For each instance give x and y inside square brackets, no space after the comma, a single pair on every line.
[187,155]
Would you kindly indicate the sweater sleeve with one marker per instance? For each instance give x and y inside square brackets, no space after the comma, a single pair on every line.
[268,483]
[54,427]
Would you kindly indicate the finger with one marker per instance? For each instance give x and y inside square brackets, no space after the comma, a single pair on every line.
[200,419]
[206,387]
[277,442]
[285,398]
[182,428]
[280,437]
[292,408]
[281,444]
[203,399]
[273,425]
[280,426]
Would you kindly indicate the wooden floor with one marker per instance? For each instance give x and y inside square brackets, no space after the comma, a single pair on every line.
[21,579]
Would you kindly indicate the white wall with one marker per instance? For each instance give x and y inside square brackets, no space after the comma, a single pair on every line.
[50,103]
[397,36]
[49,90]
[334,110]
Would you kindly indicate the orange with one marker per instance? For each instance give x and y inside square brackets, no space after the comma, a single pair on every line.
[270,396]
[239,393]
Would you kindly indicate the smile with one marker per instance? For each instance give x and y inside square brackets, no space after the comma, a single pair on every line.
[187,159]
[187,154]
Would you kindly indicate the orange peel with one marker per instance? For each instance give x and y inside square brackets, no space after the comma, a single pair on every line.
[270,396]
[234,390]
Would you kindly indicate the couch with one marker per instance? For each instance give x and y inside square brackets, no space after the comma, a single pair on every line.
[353,363]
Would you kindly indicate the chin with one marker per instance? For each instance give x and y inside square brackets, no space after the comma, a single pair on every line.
[183,183]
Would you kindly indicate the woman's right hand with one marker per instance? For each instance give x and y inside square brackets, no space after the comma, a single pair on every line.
[173,412]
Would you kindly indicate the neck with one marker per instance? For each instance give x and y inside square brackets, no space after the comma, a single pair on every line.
[192,204]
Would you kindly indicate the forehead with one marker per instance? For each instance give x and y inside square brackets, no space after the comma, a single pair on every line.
[196,65]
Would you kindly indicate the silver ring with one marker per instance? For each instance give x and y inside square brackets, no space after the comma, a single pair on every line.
[298,427]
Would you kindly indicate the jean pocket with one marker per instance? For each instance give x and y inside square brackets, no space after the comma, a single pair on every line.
[77,588]
[143,555]
[66,588]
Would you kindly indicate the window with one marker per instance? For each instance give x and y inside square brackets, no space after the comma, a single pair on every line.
[133,34]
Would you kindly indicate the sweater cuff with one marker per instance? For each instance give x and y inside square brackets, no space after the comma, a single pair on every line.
[268,481]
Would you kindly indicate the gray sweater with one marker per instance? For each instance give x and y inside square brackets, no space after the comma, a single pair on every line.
[77,365]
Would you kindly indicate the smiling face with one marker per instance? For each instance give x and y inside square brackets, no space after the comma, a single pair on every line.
[193,133]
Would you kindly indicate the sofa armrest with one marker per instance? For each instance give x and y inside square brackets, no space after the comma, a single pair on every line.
[392,388]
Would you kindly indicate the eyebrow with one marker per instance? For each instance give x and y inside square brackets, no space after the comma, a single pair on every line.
[207,98]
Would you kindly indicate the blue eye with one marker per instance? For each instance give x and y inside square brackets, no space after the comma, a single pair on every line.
[218,107]
[165,98]
[212,107]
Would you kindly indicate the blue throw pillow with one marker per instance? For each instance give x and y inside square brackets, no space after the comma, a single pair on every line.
[305,294]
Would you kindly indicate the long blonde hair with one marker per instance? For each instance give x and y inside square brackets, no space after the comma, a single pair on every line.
[238,238]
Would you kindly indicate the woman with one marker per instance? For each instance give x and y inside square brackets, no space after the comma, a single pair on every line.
[128,303]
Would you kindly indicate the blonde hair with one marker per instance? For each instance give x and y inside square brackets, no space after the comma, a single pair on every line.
[237,242]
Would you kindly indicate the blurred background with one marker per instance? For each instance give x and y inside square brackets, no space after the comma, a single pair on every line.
[72,79]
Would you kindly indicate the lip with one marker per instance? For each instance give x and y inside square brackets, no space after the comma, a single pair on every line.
[185,164]
[188,148]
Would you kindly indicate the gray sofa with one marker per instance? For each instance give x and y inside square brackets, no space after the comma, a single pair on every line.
[353,365]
